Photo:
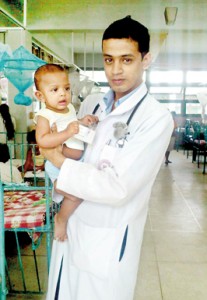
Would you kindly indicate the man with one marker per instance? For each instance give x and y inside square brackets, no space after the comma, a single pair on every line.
[100,259]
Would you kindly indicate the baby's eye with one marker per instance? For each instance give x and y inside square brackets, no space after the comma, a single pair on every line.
[54,90]
[67,88]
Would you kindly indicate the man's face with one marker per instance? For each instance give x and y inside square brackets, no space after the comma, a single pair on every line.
[123,65]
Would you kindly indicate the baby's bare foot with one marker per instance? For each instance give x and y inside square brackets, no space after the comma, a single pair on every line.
[60,233]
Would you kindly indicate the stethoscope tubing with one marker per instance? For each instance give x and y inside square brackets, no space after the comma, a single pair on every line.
[132,113]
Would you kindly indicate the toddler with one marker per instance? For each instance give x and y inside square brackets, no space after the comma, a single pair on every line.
[53,89]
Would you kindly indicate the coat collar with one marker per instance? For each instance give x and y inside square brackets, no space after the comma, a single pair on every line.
[125,106]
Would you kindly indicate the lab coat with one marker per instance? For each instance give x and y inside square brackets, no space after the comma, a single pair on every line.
[99,261]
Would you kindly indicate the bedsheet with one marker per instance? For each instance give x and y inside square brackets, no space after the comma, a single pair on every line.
[24,209]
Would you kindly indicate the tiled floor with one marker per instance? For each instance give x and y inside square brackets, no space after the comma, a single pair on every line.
[29,268]
[174,254]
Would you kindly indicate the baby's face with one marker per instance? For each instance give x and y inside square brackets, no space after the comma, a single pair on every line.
[55,90]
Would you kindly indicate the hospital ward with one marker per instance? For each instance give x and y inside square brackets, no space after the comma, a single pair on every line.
[103,150]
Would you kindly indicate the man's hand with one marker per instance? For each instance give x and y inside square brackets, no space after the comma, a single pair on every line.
[54,155]
[89,120]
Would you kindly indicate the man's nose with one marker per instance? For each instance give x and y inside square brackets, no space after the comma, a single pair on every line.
[117,67]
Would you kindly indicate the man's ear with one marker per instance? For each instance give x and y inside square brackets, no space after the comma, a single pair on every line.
[147,60]
[39,96]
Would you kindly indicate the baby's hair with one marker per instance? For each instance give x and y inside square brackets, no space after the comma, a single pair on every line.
[47,68]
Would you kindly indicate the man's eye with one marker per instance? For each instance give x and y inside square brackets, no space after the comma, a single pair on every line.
[108,60]
[127,60]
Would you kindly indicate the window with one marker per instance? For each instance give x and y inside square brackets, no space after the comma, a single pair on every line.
[195,90]
[97,76]
[193,108]
[169,77]
[173,107]
[178,90]
[196,77]
[165,90]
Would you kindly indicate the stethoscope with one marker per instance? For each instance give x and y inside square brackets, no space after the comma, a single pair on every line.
[121,129]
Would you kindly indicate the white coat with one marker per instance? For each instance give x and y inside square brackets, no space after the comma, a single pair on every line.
[115,184]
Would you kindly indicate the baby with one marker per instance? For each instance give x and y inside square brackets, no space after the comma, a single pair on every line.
[53,89]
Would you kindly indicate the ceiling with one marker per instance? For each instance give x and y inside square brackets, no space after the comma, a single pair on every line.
[74,29]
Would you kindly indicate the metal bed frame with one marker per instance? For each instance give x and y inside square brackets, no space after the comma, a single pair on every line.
[19,138]
[47,228]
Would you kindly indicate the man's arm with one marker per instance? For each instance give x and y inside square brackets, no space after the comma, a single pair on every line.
[134,168]
[72,153]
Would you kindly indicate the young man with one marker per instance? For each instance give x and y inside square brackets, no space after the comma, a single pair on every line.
[100,259]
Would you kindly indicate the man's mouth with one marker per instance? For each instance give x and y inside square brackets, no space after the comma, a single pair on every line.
[117,81]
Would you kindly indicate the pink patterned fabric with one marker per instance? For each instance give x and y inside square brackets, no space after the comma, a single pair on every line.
[24,209]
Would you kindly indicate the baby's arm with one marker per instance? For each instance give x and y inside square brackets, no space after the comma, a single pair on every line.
[47,139]
[89,120]
[74,153]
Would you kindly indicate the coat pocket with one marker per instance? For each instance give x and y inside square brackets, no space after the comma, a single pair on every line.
[94,248]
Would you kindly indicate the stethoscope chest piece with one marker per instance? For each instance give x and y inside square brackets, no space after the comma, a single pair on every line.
[120,133]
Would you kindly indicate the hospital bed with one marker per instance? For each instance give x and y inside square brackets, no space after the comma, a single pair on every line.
[24,207]
[18,150]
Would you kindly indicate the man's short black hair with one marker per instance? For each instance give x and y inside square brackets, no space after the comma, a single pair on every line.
[129,28]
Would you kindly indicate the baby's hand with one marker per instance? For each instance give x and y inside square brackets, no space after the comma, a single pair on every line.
[73,128]
[54,127]
[89,120]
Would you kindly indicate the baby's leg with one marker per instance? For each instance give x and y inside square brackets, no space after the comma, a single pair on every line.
[68,206]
